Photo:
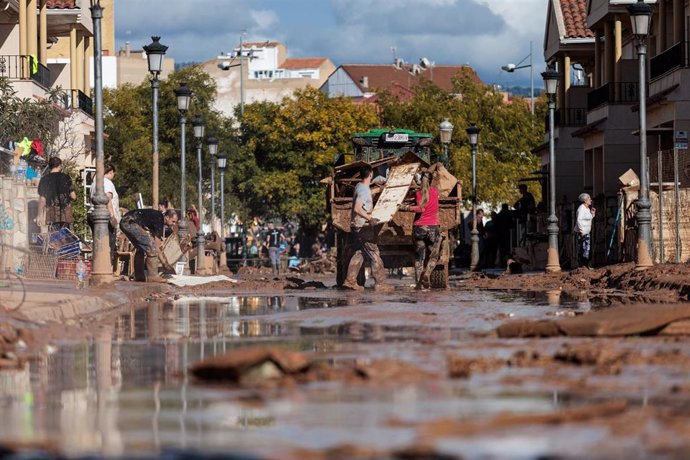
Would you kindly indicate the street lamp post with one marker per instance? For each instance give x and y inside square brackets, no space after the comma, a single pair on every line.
[473,134]
[212,143]
[553,264]
[446,130]
[154,53]
[641,18]
[184,96]
[102,270]
[222,164]
[199,129]
[510,68]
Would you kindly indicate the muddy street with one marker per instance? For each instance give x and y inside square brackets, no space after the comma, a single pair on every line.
[400,375]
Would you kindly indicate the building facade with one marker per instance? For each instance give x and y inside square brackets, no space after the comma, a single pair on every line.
[363,81]
[29,29]
[263,72]
[569,44]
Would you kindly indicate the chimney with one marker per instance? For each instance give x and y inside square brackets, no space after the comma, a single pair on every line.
[364,81]
[128,48]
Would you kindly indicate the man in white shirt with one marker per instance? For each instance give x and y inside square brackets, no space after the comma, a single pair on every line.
[113,207]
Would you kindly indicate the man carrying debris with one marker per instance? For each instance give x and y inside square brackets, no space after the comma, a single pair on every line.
[363,236]
[145,228]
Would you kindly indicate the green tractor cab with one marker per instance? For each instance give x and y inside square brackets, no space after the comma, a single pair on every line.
[378,144]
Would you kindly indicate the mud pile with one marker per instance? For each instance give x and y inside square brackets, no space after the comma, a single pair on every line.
[620,282]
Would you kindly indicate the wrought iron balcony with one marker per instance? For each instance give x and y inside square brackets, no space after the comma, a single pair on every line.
[613,93]
[19,67]
[85,103]
[570,117]
[42,75]
[675,57]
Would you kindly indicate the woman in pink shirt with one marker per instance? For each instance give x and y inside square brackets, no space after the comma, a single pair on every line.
[427,230]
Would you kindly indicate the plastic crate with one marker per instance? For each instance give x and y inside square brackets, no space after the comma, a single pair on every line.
[69,251]
[53,241]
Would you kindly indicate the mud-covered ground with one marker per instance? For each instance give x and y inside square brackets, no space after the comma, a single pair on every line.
[365,375]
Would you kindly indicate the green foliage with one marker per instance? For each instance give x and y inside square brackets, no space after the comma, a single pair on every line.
[29,118]
[80,208]
[291,147]
[279,152]
[508,133]
[128,125]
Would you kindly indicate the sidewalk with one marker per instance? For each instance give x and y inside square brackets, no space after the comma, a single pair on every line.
[55,300]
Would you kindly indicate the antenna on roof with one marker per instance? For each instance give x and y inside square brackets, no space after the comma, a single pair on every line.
[425,63]
[394,50]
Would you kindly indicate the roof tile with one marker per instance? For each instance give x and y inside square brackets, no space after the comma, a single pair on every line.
[387,76]
[61,4]
[575,18]
[302,63]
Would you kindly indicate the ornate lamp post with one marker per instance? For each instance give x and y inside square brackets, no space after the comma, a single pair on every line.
[473,134]
[641,18]
[199,129]
[222,164]
[212,143]
[446,130]
[551,78]
[155,52]
[102,271]
[184,97]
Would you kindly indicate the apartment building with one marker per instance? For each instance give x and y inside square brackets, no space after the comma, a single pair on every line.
[363,81]
[28,31]
[261,71]
[568,43]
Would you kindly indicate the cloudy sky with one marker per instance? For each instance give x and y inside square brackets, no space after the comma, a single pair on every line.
[483,33]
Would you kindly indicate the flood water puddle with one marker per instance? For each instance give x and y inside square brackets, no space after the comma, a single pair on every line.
[127,392]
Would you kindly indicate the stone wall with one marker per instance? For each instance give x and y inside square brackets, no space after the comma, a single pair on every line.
[18,210]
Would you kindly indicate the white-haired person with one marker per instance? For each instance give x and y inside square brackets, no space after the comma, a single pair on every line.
[583,229]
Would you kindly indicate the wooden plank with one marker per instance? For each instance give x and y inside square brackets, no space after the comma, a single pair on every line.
[394,192]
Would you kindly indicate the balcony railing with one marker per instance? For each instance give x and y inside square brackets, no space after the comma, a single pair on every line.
[613,93]
[673,58]
[18,67]
[14,67]
[85,103]
[41,75]
[571,117]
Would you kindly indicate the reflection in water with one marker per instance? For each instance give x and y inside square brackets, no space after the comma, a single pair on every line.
[127,390]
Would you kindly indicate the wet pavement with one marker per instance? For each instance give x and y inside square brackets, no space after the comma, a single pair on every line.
[126,392]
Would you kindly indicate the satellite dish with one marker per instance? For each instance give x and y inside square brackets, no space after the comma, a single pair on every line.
[425,63]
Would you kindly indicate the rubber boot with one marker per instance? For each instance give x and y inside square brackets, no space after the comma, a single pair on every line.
[152,270]
[380,277]
[353,272]
[139,266]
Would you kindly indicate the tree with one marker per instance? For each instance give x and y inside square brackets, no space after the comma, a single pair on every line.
[291,146]
[508,132]
[33,119]
[128,125]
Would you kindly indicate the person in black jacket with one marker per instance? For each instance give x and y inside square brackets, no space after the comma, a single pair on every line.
[143,227]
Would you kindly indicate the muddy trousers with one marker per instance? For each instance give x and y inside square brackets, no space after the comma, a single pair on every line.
[364,247]
[427,240]
[584,248]
[141,240]
[274,256]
